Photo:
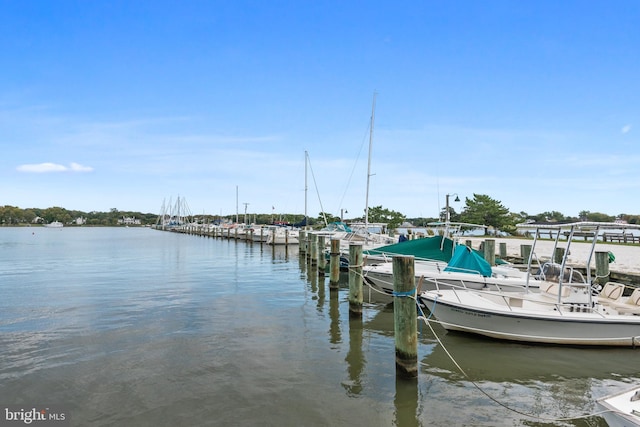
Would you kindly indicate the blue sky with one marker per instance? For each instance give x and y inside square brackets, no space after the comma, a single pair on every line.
[126,104]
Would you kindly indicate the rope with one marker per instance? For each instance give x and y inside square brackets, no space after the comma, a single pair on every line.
[427,320]
[410,293]
[493,399]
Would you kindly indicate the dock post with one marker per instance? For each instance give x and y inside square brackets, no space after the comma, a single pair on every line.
[602,267]
[302,238]
[334,264]
[355,279]
[405,317]
[286,237]
[261,235]
[469,243]
[322,260]
[503,250]
[525,252]
[558,255]
[313,242]
[490,251]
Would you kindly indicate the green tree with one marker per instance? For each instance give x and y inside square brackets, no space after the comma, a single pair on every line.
[484,210]
[329,217]
[393,219]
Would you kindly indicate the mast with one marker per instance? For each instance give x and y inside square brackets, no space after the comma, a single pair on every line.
[366,207]
[306,159]
[236,204]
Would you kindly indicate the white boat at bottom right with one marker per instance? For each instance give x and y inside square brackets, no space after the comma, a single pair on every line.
[621,409]
[560,313]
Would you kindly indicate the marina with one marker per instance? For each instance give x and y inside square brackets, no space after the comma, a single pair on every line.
[132,326]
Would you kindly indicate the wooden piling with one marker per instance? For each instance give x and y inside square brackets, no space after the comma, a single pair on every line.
[313,242]
[602,267]
[302,247]
[302,240]
[334,264]
[503,250]
[405,316]
[322,260]
[525,253]
[558,255]
[355,279]
[469,243]
[490,251]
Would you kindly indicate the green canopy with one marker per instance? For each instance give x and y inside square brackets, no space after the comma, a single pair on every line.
[436,248]
[465,260]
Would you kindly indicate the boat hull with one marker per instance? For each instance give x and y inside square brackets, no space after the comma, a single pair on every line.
[621,409]
[556,327]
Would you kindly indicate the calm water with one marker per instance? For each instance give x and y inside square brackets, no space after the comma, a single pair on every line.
[137,327]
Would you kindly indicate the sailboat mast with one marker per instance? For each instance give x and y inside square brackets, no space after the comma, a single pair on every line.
[366,207]
[306,159]
[236,204]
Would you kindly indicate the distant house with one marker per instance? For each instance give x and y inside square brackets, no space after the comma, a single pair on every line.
[126,220]
[81,221]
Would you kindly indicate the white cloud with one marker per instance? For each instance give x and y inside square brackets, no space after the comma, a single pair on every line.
[626,129]
[76,167]
[53,167]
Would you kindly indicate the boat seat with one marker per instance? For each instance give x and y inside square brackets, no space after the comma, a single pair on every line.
[631,305]
[553,289]
[610,293]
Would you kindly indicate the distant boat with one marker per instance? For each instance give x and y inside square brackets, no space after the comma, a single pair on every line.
[54,224]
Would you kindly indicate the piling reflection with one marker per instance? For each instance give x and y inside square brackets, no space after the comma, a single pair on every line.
[406,402]
[355,357]
[302,263]
[335,335]
[321,294]
[312,278]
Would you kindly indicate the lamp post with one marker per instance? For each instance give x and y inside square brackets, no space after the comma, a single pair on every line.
[245,212]
[342,212]
[447,213]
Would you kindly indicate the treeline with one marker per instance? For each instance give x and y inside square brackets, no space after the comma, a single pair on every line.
[11,216]
[479,209]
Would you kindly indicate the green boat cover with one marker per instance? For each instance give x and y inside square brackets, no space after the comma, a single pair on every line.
[436,248]
[465,260]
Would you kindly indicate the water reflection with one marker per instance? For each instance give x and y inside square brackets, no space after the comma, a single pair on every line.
[497,361]
[335,335]
[406,402]
[539,384]
[355,358]
[321,294]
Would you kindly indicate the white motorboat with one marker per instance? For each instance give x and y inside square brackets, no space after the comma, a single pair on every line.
[466,269]
[283,236]
[621,409]
[54,224]
[560,313]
